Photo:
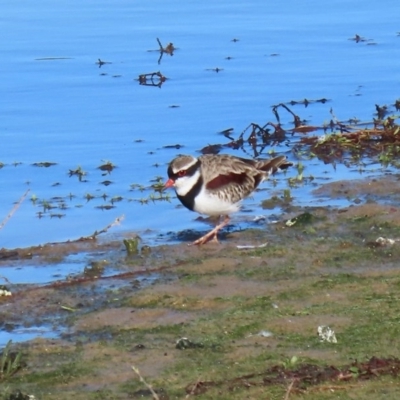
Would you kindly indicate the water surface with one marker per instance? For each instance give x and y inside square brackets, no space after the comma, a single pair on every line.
[61,107]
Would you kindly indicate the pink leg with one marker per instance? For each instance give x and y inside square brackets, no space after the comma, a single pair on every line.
[212,235]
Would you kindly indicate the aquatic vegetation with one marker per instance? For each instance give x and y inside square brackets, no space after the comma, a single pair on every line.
[380,142]
[116,199]
[45,164]
[46,205]
[168,49]
[100,62]
[341,141]
[79,172]
[157,78]
[108,167]
[132,245]
[105,207]
[106,183]
[138,186]
[158,187]
[216,69]
[89,197]
[54,215]
[10,362]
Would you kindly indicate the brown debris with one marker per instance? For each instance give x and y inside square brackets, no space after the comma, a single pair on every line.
[152,79]
[259,137]
[350,139]
[168,49]
[365,142]
[107,167]
[304,376]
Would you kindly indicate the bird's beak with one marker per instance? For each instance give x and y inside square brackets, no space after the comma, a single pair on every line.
[169,183]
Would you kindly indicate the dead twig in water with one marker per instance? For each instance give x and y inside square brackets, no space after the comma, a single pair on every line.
[117,221]
[137,372]
[169,49]
[5,279]
[15,208]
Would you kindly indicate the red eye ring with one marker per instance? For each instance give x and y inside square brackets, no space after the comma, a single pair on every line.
[181,173]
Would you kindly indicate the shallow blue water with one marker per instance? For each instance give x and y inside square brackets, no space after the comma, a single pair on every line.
[25,334]
[24,275]
[69,111]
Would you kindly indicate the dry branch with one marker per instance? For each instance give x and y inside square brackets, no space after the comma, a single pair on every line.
[15,208]
[137,372]
[93,236]
[289,389]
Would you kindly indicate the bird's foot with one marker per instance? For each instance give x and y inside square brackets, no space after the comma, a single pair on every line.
[212,235]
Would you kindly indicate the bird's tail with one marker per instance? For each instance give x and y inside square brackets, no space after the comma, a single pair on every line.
[273,165]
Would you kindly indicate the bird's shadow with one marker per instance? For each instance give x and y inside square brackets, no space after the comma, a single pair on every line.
[190,235]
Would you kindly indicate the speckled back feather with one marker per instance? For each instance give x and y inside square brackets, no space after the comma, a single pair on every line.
[235,178]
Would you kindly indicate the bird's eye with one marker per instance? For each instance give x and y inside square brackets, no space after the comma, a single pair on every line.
[182,173]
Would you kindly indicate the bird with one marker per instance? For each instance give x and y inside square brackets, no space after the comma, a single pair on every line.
[215,184]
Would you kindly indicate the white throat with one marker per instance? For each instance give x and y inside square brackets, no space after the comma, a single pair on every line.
[185,183]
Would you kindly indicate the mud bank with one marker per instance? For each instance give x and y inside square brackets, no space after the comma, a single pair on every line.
[196,321]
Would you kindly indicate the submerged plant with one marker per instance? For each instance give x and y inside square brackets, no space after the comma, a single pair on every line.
[79,172]
[107,167]
[132,245]
[45,164]
[116,199]
[134,186]
[34,199]
[10,362]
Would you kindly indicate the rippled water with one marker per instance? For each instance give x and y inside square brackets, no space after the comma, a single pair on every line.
[60,106]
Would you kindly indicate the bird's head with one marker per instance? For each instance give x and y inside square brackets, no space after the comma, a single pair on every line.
[183,173]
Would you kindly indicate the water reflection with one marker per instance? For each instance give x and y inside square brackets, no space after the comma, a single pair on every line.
[152,79]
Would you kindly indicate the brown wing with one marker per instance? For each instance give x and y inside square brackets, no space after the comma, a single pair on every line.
[230,177]
[234,187]
[222,180]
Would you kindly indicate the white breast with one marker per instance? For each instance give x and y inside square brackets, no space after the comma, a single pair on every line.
[206,203]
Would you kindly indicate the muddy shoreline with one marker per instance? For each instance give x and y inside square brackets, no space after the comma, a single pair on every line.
[240,310]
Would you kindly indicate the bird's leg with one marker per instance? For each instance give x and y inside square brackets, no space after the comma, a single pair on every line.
[212,235]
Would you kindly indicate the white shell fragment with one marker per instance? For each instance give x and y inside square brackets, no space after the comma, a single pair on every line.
[385,241]
[4,292]
[249,247]
[326,334]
